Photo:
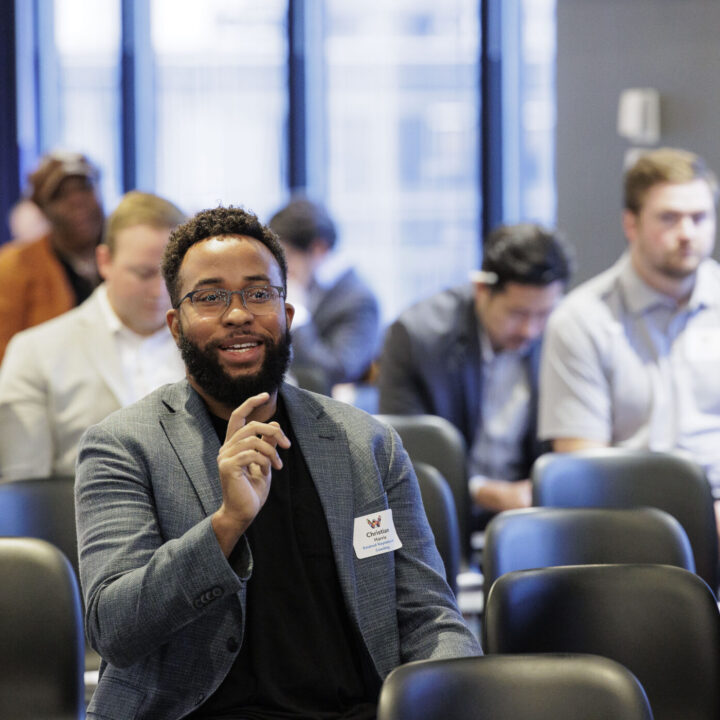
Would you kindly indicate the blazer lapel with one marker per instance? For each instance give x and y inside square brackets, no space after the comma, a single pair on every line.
[188,429]
[468,358]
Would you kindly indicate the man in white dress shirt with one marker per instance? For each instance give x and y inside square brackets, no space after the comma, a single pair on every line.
[62,376]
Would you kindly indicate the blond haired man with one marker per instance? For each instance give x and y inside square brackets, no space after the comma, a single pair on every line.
[64,375]
[630,357]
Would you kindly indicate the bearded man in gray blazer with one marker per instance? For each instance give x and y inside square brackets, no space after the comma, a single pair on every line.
[249,549]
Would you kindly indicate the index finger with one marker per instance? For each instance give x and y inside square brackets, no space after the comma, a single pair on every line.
[241,412]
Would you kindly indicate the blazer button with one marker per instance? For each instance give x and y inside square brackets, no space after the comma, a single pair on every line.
[217,592]
[198,603]
[232,645]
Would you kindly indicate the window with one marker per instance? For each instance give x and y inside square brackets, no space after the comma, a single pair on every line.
[220,103]
[402,118]
[79,82]
[528,100]
[199,101]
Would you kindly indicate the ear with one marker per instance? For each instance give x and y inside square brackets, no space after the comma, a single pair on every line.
[173,322]
[289,314]
[630,225]
[482,291]
[482,296]
[318,249]
[104,260]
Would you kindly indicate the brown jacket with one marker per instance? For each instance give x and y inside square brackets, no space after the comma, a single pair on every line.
[33,287]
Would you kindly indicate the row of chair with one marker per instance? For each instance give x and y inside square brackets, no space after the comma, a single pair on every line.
[658,627]
[604,565]
[655,627]
[602,478]
[514,687]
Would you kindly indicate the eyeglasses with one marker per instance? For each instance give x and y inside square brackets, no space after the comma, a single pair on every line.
[258,299]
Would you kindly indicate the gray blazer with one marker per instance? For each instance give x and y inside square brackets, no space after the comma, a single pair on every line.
[161,599]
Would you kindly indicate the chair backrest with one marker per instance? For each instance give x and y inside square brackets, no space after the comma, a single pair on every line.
[41,508]
[442,516]
[41,640]
[544,537]
[531,687]
[436,441]
[660,622]
[619,477]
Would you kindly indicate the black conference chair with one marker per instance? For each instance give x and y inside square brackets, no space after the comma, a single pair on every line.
[507,687]
[437,442]
[545,537]
[41,508]
[660,622]
[442,516]
[44,508]
[41,640]
[618,477]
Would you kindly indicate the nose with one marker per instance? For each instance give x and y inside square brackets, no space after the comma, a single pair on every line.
[236,313]
[156,286]
[527,328]
[531,327]
[686,226]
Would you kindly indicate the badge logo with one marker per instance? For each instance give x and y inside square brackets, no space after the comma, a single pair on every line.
[374,523]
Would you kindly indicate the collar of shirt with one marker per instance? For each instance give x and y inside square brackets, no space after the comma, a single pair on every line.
[113,322]
[640,297]
[119,330]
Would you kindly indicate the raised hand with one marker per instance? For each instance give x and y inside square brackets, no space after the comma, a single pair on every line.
[245,464]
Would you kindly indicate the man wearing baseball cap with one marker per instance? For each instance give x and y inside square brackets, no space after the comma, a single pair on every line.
[45,278]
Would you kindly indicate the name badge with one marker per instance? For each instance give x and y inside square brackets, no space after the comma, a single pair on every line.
[702,344]
[375,534]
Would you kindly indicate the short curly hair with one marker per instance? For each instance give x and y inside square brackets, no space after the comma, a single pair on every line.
[213,223]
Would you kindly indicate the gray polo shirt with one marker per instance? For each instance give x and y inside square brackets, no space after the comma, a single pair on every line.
[623,364]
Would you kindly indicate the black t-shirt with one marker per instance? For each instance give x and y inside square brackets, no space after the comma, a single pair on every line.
[301,657]
[82,287]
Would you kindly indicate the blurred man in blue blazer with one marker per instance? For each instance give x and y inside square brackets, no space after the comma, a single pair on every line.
[336,327]
[471,355]
[247,549]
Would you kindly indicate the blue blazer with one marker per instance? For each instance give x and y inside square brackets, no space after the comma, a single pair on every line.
[431,363]
[162,600]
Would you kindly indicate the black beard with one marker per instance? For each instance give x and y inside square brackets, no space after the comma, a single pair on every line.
[207,372]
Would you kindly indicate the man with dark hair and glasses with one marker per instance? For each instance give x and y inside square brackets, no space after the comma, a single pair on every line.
[229,563]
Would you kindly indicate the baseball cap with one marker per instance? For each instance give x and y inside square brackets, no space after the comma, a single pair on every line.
[53,169]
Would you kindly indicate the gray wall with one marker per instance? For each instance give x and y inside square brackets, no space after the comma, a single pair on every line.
[604,46]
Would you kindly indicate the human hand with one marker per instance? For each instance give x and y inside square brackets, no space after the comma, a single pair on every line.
[245,464]
[499,495]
